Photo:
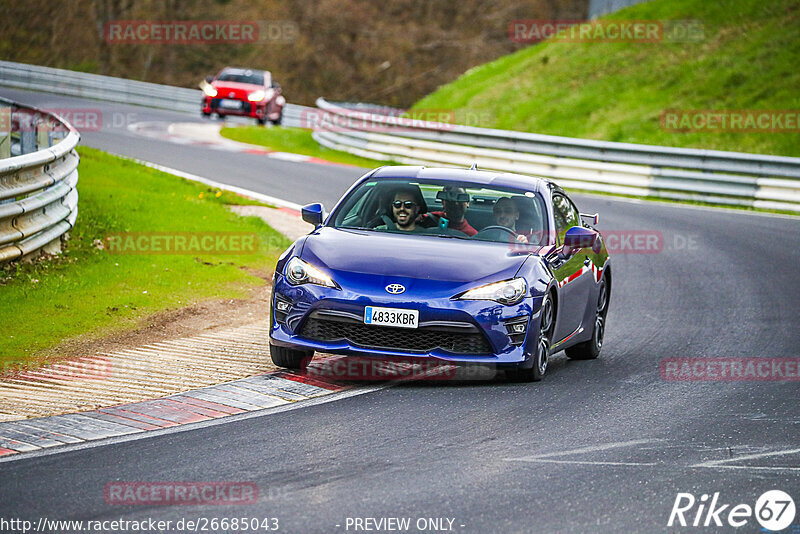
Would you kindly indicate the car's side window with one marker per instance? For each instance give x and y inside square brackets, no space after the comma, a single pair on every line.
[565,214]
[351,214]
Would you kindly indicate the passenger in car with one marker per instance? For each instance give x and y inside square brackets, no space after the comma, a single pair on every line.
[456,201]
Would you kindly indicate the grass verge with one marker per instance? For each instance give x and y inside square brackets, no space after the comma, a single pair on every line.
[295,141]
[89,293]
[747,60]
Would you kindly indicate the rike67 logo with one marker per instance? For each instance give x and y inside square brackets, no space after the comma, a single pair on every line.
[774,511]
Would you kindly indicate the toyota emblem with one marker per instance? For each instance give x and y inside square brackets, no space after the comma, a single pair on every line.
[231,94]
[395,289]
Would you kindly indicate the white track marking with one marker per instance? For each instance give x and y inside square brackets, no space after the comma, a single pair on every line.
[582,450]
[716,463]
[580,462]
[747,467]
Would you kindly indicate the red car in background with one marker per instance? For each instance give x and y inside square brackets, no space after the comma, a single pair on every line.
[243,93]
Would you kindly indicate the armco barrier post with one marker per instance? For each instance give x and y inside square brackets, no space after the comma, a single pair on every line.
[5,132]
[53,247]
[42,134]
[27,135]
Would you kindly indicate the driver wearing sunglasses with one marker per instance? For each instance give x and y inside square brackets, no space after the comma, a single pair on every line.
[406,205]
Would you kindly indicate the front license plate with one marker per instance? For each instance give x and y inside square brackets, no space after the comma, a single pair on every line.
[391,317]
[230,104]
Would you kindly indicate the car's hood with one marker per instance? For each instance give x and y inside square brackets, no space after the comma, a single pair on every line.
[354,252]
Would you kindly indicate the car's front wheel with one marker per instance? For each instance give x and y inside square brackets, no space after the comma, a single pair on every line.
[290,358]
[542,355]
[589,350]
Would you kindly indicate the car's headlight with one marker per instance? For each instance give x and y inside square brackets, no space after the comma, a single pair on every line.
[256,96]
[507,292]
[209,90]
[299,272]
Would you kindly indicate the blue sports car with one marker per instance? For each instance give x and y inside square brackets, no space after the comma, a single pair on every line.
[448,265]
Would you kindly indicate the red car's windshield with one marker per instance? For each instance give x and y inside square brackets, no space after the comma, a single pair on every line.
[255,78]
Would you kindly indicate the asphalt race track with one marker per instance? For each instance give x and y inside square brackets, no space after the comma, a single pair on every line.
[598,446]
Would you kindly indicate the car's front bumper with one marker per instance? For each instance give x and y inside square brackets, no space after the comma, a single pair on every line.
[255,110]
[440,318]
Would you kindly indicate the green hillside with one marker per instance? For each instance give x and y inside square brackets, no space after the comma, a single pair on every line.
[748,59]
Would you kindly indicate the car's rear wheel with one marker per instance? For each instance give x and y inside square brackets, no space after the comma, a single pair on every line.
[589,350]
[541,357]
[290,358]
[279,120]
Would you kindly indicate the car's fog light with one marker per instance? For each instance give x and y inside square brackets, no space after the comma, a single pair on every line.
[516,329]
[282,308]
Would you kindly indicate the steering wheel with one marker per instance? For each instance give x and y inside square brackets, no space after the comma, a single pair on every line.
[496,227]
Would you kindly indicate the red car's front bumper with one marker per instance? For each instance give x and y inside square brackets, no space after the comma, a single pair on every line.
[256,110]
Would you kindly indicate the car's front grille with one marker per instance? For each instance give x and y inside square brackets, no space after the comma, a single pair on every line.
[422,340]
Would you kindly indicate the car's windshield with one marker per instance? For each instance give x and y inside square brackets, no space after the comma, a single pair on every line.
[255,78]
[461,210]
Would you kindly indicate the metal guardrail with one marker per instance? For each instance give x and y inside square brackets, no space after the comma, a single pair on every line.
[38,179]
[68,82]
[733,178]
[111,89]
[761,181]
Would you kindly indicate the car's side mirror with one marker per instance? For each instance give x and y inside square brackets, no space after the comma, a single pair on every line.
[579,237]
[209,79]
[313,214]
